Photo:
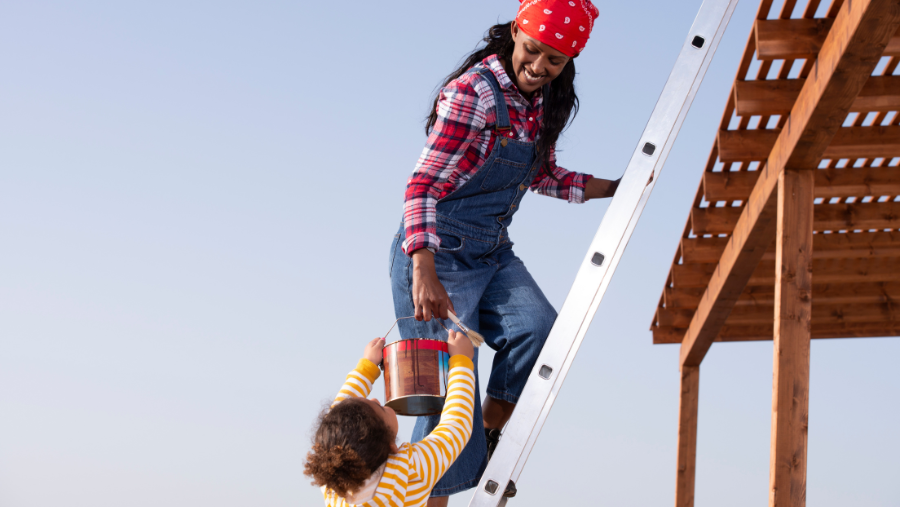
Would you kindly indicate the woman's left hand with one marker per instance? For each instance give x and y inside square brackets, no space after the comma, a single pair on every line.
[598,188]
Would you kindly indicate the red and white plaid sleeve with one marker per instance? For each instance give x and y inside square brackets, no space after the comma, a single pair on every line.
[570,186]
[461,117]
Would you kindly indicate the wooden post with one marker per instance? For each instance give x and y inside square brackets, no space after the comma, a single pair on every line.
[793,305]
[687,436]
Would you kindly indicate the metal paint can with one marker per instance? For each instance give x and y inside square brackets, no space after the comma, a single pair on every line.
[416,373]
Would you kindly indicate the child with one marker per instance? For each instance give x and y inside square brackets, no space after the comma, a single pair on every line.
[354,457]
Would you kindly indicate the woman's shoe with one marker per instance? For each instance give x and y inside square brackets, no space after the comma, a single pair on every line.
[493,438]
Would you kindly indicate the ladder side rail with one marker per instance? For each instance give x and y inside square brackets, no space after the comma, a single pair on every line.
[612,236]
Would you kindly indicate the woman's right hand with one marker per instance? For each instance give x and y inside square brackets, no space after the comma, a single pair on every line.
[429,295]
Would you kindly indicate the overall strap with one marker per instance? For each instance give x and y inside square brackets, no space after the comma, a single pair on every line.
[499,100]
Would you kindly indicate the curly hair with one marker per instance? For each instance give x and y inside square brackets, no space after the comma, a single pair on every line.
[350,443]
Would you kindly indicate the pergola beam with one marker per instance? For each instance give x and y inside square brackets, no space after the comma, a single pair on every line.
[858,245]
[777,96]
[859,310]
[849,182]
[828,217]
[778,39]
[763,332]
[686,300]
[848,57]
[864,270]
[848,142]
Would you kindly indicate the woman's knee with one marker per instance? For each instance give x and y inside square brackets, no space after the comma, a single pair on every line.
[543,322]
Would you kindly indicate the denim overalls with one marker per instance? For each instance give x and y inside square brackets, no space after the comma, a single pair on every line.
[489,286]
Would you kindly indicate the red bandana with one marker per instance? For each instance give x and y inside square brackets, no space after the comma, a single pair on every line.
[564,25]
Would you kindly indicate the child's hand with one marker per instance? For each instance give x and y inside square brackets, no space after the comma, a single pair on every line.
[460,344]
[374,350]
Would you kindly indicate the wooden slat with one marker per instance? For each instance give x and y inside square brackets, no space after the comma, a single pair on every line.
[728,185]
[688,299]
[777,96]
[822,314]
[865,142]
[674,317]
[826,331]
[828,217]
[714,220]
[858,182]
[831,294]
[760,97]
[790,38]
[665,334]
[799,38]
[688,402]
[746,145]
[881,93]
[702,250]
[873,215]
[827,246]
[827,271]
[850,182]
[848,142]
[668,334]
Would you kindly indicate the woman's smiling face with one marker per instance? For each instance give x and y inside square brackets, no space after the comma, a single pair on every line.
[534,63]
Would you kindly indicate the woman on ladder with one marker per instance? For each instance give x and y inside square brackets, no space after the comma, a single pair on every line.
[491,137]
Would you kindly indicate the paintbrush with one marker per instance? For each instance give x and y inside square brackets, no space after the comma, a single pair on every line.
[474,336]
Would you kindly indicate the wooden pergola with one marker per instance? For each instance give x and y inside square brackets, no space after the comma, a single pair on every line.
[793,233]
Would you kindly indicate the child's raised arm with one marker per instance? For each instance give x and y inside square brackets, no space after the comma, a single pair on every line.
[359,381]
[436,452]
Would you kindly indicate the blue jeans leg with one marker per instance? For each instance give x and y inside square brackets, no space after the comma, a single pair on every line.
[515,319]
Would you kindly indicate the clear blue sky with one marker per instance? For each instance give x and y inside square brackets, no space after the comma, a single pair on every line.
[196,205]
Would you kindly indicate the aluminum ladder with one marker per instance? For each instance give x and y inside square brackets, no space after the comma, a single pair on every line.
[604,254]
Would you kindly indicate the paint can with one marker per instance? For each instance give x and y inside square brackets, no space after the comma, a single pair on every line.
[416,373]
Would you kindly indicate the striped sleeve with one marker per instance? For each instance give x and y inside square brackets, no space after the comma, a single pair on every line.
[436,452]
[359,381]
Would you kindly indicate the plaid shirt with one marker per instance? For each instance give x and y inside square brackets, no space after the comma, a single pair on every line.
[461,141]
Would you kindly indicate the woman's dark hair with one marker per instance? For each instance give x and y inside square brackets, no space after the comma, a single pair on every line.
[351,442]
[560,104]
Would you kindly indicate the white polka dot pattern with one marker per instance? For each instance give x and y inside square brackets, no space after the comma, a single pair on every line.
[559,18]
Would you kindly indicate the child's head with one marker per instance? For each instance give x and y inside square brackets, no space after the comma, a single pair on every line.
[352,440]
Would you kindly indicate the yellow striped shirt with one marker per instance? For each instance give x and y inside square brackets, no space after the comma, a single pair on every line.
[414,469]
